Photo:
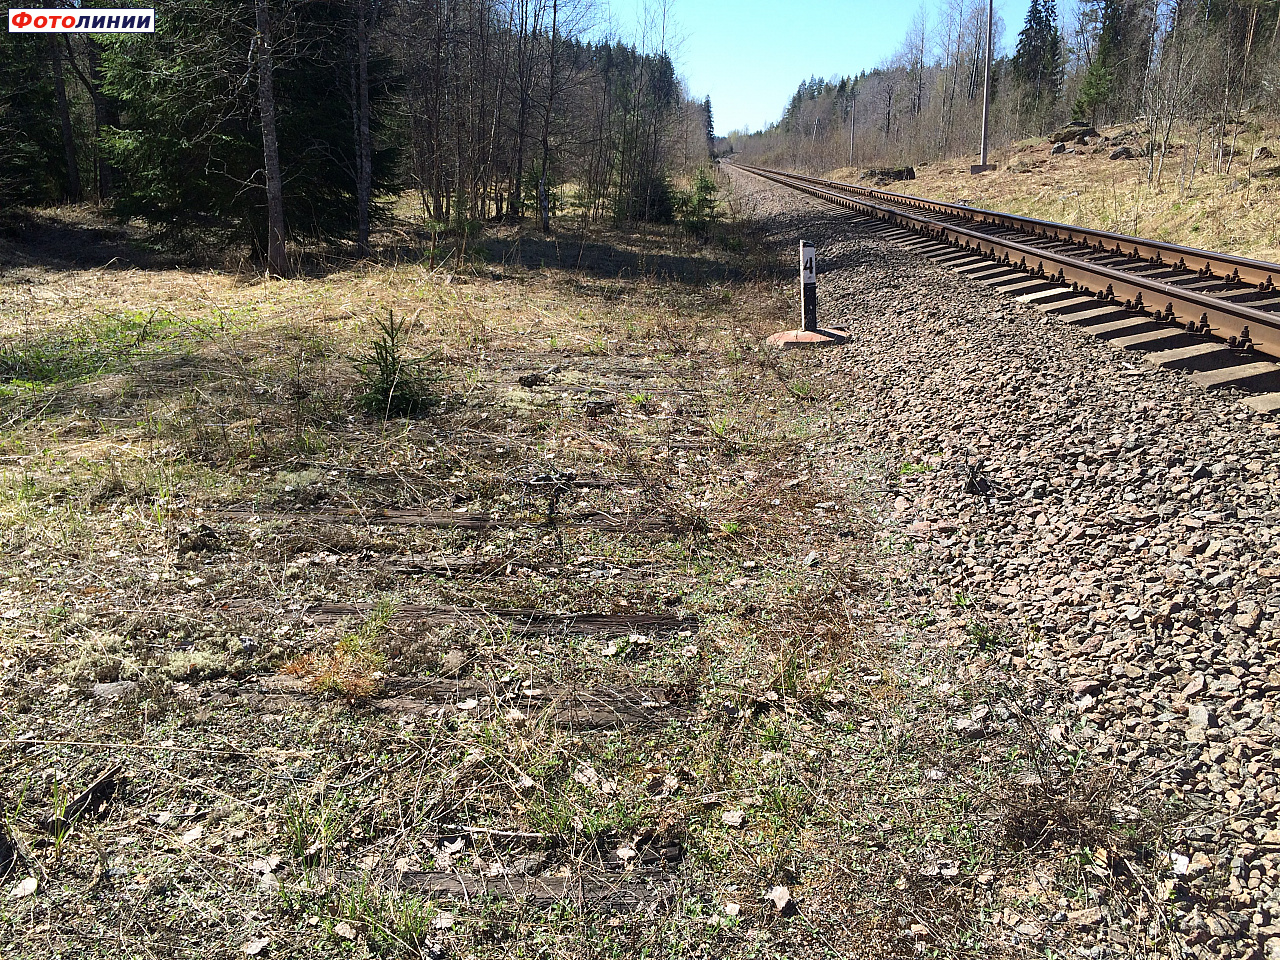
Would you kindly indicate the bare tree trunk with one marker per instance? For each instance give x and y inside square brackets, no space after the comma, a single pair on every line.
[104,115]
[1164,146]
[978,59]
[1176,101]
[955,83]
[920,74]
[364,162]
[439,195]
[74,192]
[544,201]
[1222,128]
[481,124]
[492,176]
[853,126]
[599,157]
[603,133]
[657,107]
[523,70]
[1154,102]
[270,147]
[1244,82]
[1195,161]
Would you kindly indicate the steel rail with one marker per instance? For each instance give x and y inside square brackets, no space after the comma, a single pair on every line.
[1236,322]
[1225,266]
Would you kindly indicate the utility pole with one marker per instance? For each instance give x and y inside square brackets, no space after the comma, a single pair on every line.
[982,165]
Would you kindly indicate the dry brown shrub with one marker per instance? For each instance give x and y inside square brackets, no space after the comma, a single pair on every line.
[354,669]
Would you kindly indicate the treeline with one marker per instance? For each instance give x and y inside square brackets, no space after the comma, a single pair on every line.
[264,121]
[1158,62]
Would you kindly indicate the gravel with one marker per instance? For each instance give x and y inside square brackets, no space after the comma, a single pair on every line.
[1120,521]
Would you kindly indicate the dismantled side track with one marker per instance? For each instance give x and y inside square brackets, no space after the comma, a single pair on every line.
[1206,294]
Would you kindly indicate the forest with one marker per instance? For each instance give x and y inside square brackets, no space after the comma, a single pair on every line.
[1205,63]
[263,124]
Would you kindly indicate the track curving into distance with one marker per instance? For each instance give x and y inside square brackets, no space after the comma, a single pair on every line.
[1233,298]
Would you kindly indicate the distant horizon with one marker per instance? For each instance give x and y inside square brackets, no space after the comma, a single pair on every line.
[749,57]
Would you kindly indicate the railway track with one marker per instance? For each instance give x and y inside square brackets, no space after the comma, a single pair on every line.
[1217,315]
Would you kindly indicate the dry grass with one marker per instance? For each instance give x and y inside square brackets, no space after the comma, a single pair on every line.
[355,669]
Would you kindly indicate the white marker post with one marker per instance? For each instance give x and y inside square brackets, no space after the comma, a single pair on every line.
[808,287]
[809,334]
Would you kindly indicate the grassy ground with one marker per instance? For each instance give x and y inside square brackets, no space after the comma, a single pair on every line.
[1234,210]
[188,475]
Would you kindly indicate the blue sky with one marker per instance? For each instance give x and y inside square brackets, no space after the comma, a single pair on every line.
[750,55]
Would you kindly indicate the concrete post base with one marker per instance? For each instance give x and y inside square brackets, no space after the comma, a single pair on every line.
[793,339]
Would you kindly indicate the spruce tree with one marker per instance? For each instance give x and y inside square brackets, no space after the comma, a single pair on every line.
[189,143]
[711,128]
[1124,43]
[1026,53]
[1037,59]
[1051,59]
[32,161]
[1095,92]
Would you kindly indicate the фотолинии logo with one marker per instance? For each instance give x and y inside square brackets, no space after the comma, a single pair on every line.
[132,20]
